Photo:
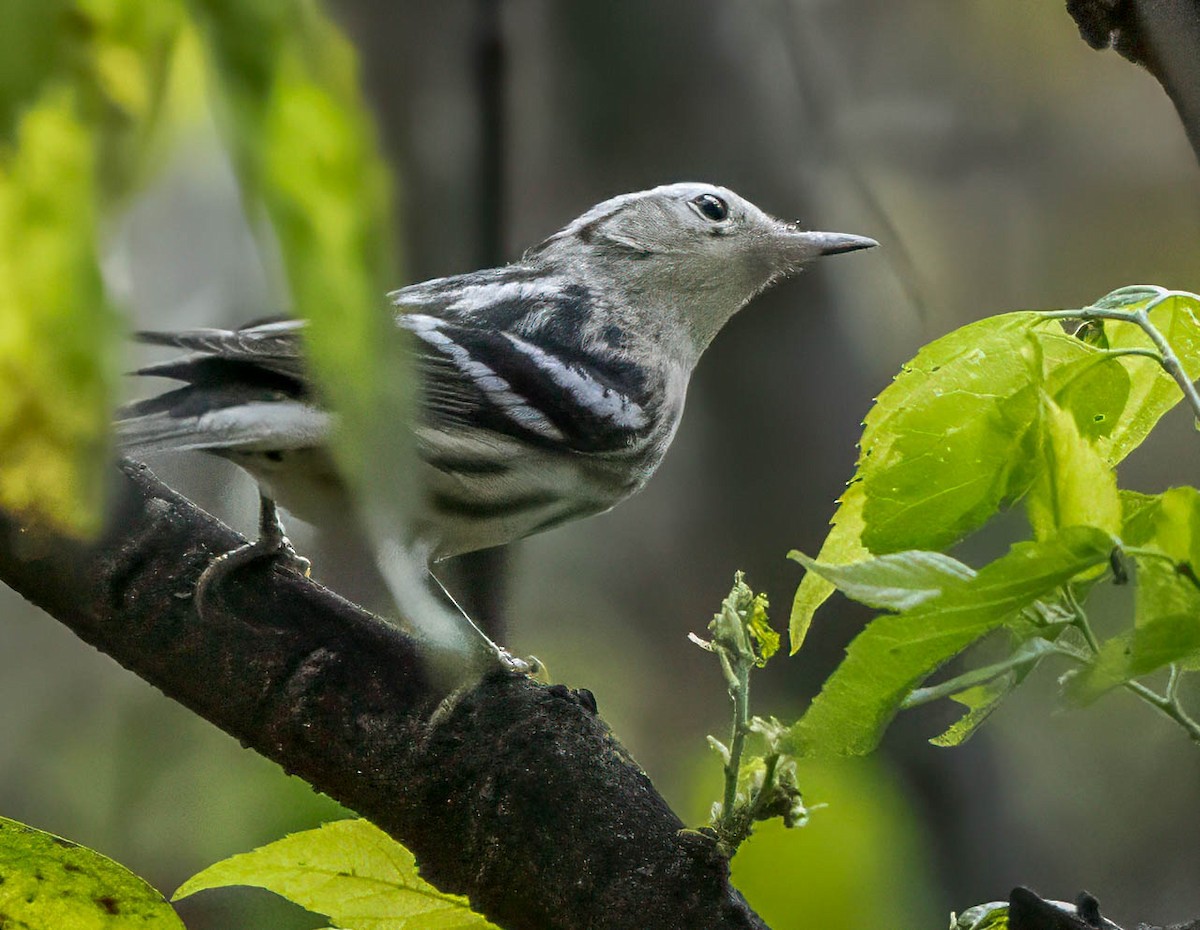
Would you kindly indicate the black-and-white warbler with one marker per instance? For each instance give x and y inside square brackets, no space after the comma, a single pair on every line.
[550,388]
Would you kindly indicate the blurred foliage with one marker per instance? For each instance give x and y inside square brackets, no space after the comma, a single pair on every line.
[350,871]
[306,151]
[1008,407]
[57,334]
[860,861]
[46,881]
[85,88]
[80,85]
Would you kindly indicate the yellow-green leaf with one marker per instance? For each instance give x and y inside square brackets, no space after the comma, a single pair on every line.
[58,337]
[1074,485]
[842,546]
[1153,392]
[351,872]
[48,882]
[940,450]
[896,652]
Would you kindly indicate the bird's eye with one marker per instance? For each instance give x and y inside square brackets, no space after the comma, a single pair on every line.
[711,206]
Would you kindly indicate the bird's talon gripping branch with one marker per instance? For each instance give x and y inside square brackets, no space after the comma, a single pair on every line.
[272,543]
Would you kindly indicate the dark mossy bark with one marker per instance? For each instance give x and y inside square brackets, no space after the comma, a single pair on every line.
[513,793]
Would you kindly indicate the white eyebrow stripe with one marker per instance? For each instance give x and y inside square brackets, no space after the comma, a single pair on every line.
[599,399]
[492,385]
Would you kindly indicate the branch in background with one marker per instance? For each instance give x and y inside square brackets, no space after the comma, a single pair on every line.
[483,575]
[512,793]
[1161,35]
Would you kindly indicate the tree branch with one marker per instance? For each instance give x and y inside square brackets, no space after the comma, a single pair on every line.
[1161,35]
[513,793]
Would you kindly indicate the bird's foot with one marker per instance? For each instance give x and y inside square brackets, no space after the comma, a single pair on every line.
[272,543]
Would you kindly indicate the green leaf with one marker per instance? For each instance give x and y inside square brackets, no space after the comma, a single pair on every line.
[49,882]
[758,626]
[1138,515]
[944,446]
[1094,388]
[1140,651]
[350,871]
[938,459]
[1168,523]
[1029,652]
[30,43]
[896,652]
[306,150]
[984,690]
[1152,391]
[1074,485]
[979,701]
[991,916]
[58,336]
[893,582]
[948,442]
[1177,526]
[842,546]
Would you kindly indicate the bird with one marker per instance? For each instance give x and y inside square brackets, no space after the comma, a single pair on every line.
[549,389]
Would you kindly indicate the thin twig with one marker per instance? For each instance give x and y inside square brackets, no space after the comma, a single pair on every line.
[1167,703]
[1140,317]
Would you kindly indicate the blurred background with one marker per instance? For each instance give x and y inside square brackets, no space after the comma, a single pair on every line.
[1002,165]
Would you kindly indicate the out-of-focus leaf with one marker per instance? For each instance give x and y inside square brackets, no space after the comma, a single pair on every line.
[350,871]
[306,150]
[48,882]
[895,582]
[58,337]
[896,652]
[114,54]
[123,53]
[29,45]
[1074,485]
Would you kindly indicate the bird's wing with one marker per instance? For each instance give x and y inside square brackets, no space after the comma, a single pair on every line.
[274,346]
[481,379]
[245,389]
[499,355]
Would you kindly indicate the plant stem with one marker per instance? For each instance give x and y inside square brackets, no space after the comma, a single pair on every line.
[1167,703]
[1165,356]
[1169,706]
[737,743]
[1081,621]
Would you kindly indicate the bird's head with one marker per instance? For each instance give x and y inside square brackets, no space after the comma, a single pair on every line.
[696,250]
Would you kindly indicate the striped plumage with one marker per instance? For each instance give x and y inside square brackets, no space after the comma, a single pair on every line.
[551,388]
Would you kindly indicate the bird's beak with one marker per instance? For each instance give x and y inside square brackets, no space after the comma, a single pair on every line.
[797,246]
[827,243]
